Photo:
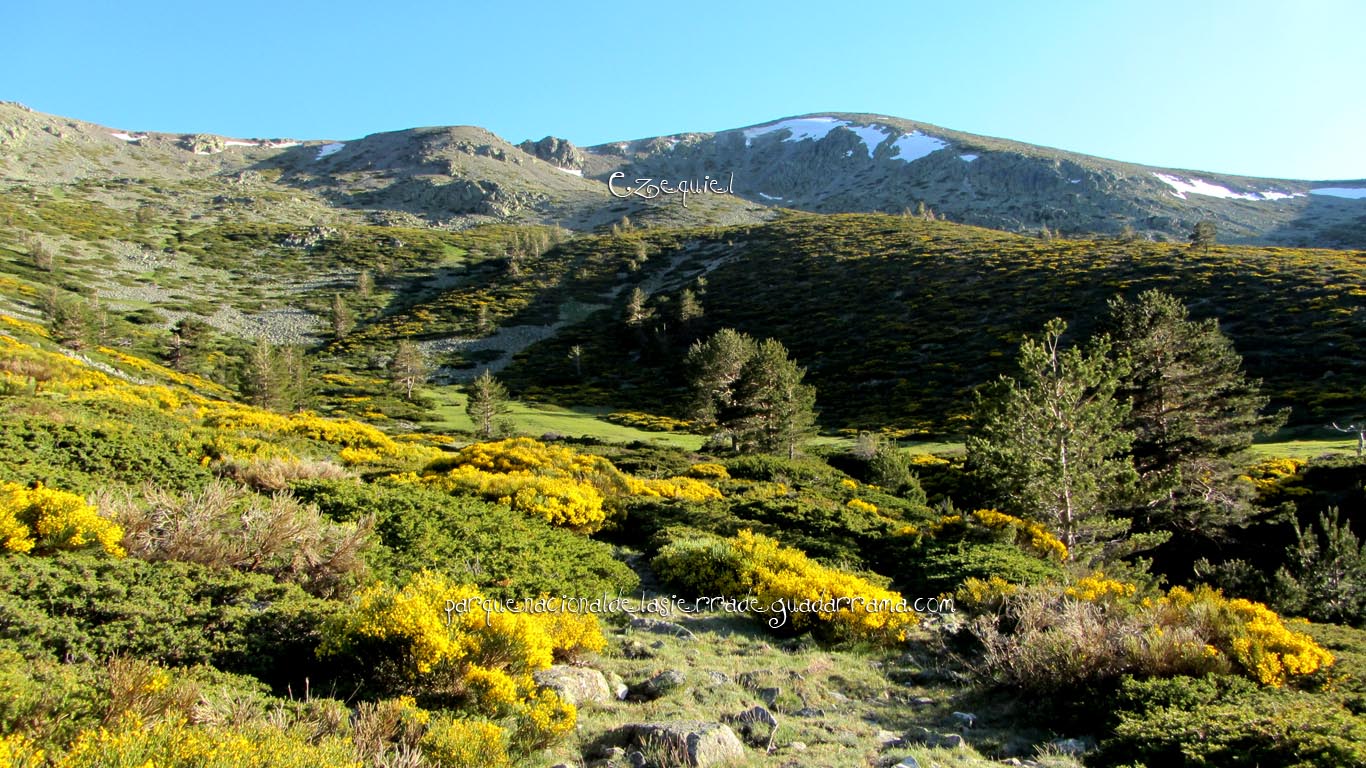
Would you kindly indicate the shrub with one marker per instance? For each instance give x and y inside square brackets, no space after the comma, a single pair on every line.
[758,567]
[570,489]
[42,520]
[1058,637]
[82,606]
[1202,722]
[472,655]
[472,541]
[456,743]
[224,526]
[277,474]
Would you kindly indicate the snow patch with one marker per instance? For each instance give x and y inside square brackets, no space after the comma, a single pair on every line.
[281,144]
[849,153]
[915,145]
[121,136]
[328,150]
[236,143]
[570,171]
[1074,181]
[800,129]
[967,158]
[1351,193]
[872,135]
[769,197]
[1180,187]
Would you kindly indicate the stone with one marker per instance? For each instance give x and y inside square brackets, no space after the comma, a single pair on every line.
[908,762]
[696,744]
[660,627]
[575,685]
[619,688]
[757,726]
[966,719]
[887,739]
[769,695]
[809,712]
[657,686]
[634,649]
[797,746]
[951,740]
[1072,747]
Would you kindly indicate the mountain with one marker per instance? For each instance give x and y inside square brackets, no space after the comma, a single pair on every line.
[841,162]
[825,163]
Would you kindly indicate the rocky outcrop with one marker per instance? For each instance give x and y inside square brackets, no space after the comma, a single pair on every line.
[555,151]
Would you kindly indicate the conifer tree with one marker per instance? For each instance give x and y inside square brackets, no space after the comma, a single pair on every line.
[408,368]
[1050,441]
[342,319]
[1194,414]
[488,400]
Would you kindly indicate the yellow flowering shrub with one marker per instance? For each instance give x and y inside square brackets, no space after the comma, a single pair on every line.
[173,743]
[18,751]
[986,594]
[755,566]
[862,507]
[553,482]
[43,520]
[1027,534]
[1251,634]
[1051,636]
[1277,477]
[1096,588]
[455,743]
[708,471]
[484,657]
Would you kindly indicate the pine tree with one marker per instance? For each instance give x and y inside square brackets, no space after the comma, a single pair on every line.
[1194,414]
[636,311]
[342,319]
[189,337]
[689,307]
[488,400]
[576,357]
[408,368]
[1050,442]
[263,379]
[713,368]
[365,283]
[70,322]
[1203,235]
[773,411]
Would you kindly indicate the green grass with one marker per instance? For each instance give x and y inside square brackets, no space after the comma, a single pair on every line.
[1304,449]
[538,419]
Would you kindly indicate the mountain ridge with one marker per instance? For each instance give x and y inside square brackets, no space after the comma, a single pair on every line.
[820,162]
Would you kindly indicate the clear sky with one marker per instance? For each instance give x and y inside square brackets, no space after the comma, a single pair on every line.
[1255,87]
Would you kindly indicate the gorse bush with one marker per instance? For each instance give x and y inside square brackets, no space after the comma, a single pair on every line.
[42,520]
[574,490]
[471,656]
[1059,637]
[756,566]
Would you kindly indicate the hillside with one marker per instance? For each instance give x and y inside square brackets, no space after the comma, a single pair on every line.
[841,163]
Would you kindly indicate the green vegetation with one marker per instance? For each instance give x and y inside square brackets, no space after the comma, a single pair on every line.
[245,465]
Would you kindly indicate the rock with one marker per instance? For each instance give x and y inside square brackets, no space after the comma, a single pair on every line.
[555,151]
[659,627]
[965,718]
[757,726]
[634,649]
[696,744]
[951,740]
[719,678]
[575,685]
[769,695]
[922,701]
[797,746]
[657,686]
[809,712]
[908,762]
[1071,746]
[887,740]
[636,758]
[618,686]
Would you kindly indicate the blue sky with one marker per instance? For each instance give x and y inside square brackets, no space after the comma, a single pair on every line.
[1252,87]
